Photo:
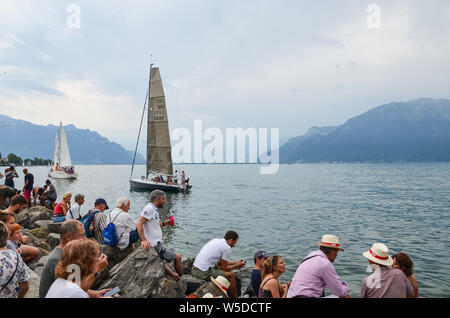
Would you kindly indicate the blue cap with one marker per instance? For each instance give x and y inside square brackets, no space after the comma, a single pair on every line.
[100,201]
[261,254]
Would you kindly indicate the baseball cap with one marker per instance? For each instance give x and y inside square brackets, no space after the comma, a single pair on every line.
[261,254]
[100,201]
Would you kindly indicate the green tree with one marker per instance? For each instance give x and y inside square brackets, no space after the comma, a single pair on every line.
[13,158]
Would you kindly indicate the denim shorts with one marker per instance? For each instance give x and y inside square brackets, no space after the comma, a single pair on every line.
[165,252]
[58,219]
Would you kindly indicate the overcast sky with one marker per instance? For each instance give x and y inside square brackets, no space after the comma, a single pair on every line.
[236,63]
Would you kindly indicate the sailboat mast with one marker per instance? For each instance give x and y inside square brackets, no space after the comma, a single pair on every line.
[148,117]
[59,145]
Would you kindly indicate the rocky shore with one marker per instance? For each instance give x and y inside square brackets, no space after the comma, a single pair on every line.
[138,274]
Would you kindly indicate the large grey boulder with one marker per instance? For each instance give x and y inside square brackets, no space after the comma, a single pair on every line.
[138,275]
[53,240]
[169,288]
[193,283]
[115,256]
[42,224]
[28,217]
[187,265]
[40,233]
[54,227]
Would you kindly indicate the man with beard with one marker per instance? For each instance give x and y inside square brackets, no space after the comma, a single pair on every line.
[150,233]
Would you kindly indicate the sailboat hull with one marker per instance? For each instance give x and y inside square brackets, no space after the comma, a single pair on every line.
[62,175]
[147,185]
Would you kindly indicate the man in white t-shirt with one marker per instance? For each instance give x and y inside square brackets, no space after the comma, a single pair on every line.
[74,211]
[150,233]
[214,259]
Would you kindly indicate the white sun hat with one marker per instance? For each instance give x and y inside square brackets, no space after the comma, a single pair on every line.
[208,295]
[222,283]
[331,241]
[379,253]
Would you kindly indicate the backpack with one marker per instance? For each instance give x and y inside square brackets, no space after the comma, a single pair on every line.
[87,220]
[110,233]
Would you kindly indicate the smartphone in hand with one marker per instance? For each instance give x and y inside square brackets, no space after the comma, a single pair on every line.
[112,292]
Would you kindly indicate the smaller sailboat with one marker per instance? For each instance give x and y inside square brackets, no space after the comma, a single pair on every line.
[62,167]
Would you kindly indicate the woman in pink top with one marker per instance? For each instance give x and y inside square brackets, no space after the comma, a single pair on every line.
[59,214]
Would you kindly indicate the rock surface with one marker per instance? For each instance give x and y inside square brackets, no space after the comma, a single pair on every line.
[138,275]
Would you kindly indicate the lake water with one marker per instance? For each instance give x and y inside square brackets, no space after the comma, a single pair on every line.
[405,205]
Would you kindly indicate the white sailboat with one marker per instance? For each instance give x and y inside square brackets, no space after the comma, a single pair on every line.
[62,167]
[159,152]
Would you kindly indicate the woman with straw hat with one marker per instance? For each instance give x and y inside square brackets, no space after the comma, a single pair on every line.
[385,282]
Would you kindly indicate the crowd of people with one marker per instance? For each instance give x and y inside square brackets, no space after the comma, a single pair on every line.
[81,234]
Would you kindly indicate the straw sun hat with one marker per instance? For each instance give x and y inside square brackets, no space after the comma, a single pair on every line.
[222,283]
[331,241]
[379,253]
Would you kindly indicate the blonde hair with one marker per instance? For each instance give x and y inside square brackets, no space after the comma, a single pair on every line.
[269,265]
[67,195]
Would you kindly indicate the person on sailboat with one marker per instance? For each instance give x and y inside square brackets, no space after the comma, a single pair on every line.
[176,176]
[150,232]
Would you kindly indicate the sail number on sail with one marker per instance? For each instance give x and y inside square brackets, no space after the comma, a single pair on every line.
[159,114]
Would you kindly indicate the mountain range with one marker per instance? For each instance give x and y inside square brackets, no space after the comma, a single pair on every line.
[413,131]
[29,140]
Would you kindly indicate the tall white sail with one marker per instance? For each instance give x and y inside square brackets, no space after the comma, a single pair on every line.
[56,152]
[64,148]
[159,153]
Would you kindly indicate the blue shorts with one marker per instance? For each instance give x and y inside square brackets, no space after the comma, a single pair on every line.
[59,219]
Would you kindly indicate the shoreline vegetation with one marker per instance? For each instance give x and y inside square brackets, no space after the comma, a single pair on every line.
[18,161]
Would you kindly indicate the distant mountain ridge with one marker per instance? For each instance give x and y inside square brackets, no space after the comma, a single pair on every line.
[29,140]
[413,131]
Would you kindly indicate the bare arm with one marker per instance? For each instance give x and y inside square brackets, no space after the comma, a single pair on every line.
[23,289]
[140,228]
[229,266]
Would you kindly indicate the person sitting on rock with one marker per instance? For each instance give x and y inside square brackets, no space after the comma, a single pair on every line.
[60,211]
[150,233]
[75,211]
[99,222]
[28,253]
[15,235]
[16,205]
[37,194]
[125,226]
[71,230]
[75,272]
[6,195]
[214,259]
[14,277]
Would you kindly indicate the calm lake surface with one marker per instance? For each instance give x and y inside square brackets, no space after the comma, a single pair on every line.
[405,205]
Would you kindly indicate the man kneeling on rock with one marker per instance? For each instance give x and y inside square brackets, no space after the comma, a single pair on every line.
[150,233]
[214,259]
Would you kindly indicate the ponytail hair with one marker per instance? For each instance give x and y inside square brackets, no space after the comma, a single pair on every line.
[269,265]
